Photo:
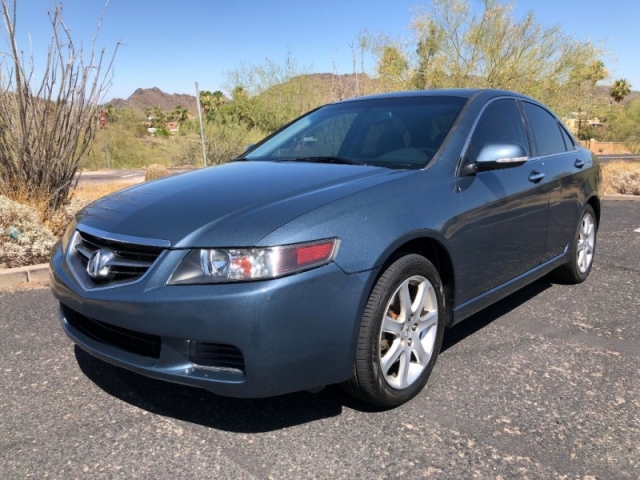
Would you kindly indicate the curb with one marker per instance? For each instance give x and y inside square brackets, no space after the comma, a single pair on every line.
[31,274]
[40,273]
[619,197]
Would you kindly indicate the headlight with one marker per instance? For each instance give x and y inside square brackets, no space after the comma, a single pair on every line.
[223,265]
[66,238]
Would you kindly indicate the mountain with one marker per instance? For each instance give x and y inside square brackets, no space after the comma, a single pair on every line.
[154,97]
[325,88]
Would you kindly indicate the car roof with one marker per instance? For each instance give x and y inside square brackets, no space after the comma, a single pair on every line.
[451,92]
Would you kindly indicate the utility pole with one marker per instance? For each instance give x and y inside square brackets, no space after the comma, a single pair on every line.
[103,126]
[106,147]
[204,151]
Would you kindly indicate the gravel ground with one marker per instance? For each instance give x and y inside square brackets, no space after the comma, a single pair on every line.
[542,385]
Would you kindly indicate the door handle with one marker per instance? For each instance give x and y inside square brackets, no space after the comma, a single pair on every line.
[578,163]
[535,177]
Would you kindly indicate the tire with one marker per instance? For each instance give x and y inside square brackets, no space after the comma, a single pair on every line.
[582,250]
[400,335]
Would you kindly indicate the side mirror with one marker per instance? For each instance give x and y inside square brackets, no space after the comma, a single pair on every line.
[249,147]
[500,155]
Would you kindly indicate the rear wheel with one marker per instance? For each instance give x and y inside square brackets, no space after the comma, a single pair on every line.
[401,333]
[582,250]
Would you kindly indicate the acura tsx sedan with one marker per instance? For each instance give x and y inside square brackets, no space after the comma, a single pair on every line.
[337,250]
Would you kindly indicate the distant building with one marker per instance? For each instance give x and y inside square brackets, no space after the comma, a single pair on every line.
[173,127]
[577,123]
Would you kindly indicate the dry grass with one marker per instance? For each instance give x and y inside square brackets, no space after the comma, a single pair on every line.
[94,191]
[82,196]
[621,176]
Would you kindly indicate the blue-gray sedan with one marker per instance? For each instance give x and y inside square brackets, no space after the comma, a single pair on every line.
[337,250]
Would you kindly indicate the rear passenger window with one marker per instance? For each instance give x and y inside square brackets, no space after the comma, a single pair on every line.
[546,131]
[568,143]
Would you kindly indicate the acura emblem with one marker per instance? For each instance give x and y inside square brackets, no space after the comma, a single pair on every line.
[99,265]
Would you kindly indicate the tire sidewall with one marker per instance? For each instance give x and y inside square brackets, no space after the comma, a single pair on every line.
[404,268]
[580,276]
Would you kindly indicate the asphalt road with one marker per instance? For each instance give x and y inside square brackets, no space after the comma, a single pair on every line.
[118,175]
[544,384]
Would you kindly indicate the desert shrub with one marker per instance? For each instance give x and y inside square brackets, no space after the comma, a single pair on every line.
[621,176]
[140,130]
[226,140]
[626,183]
[24,240]
[154,171]
[126,148]
[188,152]
[59,221]
[131,146]
[634,147]
[48,108]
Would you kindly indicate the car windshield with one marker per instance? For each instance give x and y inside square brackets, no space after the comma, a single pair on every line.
[397,132]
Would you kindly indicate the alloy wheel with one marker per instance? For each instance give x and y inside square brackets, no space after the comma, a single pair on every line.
[408,332]
[586,243]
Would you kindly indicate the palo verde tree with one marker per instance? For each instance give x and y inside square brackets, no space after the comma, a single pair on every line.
[459,43]
[270,94]
[47,114]
[392,67]
[581,97]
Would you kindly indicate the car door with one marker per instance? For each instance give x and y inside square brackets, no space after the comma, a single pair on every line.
[505,226]
[562,163]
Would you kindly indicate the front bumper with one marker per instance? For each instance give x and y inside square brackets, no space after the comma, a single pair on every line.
[294,333]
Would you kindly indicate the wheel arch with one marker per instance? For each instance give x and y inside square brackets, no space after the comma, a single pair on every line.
[437,253]
[594,201]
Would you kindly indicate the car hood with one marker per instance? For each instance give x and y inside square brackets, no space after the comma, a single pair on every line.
[235,204]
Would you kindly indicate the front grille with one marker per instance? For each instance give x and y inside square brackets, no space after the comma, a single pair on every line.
[216,355]
[138,343]
[128,261]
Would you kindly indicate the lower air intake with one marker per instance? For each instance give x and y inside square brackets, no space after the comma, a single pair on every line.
[216,355]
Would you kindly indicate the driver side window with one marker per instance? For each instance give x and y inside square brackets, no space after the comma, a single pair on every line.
[500,122]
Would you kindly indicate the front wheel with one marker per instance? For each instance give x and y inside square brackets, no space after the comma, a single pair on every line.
[581,251]
[401,333]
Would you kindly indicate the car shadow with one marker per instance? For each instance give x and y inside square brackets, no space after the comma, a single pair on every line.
[485,317]
[204,408]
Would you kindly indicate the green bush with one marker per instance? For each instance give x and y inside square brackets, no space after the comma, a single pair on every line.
[131,146]
[140,130]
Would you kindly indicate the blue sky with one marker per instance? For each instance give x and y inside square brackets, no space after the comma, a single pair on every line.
[171,44]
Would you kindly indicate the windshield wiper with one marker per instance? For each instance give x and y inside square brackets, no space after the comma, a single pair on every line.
[327,159]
